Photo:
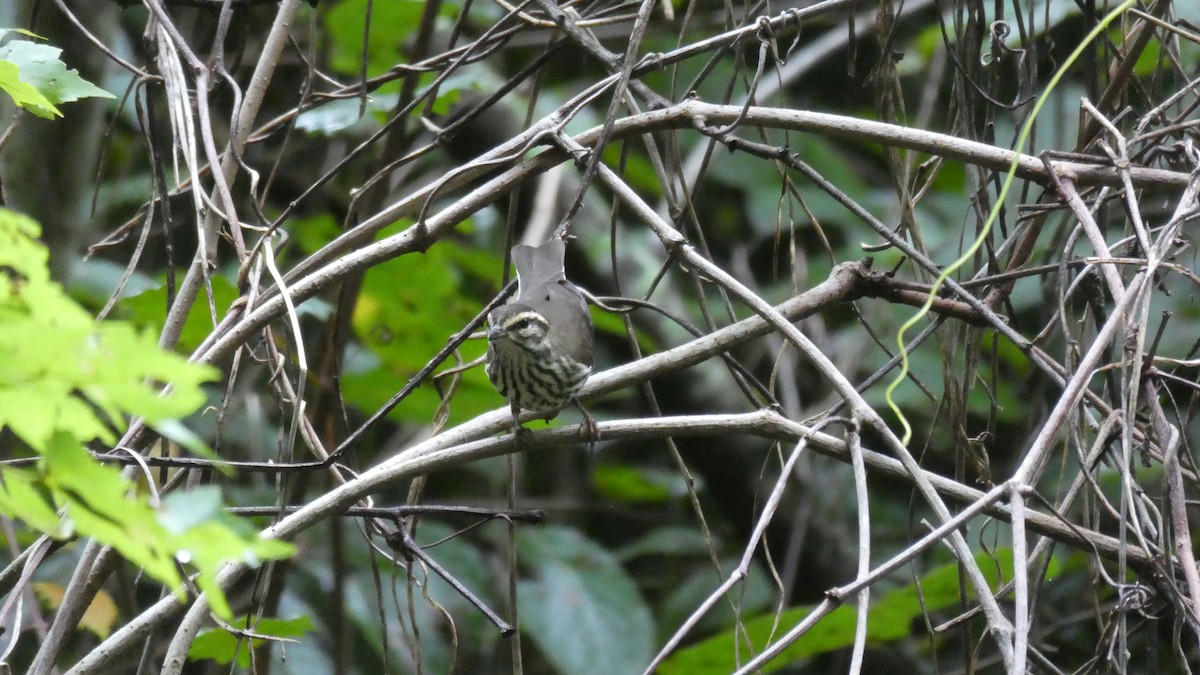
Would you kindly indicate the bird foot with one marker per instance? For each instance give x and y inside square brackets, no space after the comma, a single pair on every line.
[520,438]
[589,430]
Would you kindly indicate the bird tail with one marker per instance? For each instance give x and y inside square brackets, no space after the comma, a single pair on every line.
[539,265]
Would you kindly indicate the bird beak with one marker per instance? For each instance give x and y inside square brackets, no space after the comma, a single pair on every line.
[494,332]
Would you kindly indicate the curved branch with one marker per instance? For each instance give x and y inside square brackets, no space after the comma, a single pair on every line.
[435,454]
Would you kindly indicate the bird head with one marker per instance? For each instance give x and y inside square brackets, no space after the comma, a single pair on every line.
[522,326]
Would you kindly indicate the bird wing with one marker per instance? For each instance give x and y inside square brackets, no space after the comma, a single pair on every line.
[566,312]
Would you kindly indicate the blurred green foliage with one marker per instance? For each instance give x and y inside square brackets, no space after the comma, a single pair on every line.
[66,380]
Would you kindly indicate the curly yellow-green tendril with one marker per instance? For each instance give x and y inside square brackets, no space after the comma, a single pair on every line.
[1022,138]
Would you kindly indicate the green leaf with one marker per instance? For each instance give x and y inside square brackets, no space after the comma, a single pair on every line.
[40,66]
[582,609]
[407,310]
[25,277]
[37,80]
[224,647]
[181,511]
[69,374]
[101,504]
[149,310]
[757,592]
[23,94]
[672,540]
[176,431]
[192,527]
[343,113]
[22,496]
[890,619]
[313,232]
[363,595]
[390,24]
[759,182]
[638,171]
[204,535]
[65,380]
[637,484]
[210,545]
[33,412]
[61,372]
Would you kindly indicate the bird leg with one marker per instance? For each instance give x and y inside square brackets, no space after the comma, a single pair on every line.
[520,433]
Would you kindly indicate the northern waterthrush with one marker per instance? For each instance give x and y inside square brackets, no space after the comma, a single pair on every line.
[540,344]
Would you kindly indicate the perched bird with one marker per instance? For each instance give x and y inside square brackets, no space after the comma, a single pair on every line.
[540,344]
